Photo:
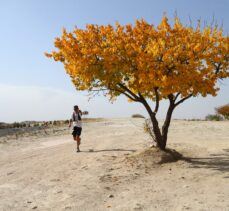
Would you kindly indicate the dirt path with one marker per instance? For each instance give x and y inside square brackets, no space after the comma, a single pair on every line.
[47,174]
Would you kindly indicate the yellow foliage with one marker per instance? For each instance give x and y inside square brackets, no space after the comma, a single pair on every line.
[173,59]
[223,110]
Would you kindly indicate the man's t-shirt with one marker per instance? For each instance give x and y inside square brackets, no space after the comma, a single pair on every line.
[76,120]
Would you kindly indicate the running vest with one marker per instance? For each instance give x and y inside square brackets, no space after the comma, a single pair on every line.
[76,118]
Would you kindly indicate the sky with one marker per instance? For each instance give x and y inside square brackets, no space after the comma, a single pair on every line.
[33,87]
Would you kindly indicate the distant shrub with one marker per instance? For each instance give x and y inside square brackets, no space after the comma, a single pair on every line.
[16,125]
[224,111]
[2,125]
[137,116]
[194,119]
[213,117]
[23,125]
[85,112]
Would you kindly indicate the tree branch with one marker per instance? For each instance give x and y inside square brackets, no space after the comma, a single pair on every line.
[129,91]
[124,92]
[127,95]
[177,95]
[98,90]
[182,100]
[170,96]
[145,103]
[157,100]
[217,68]
[110,89]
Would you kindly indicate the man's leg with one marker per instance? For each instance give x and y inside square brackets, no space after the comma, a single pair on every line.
[78,143]
[75,139]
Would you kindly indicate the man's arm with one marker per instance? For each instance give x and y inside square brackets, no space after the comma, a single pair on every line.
[70,123]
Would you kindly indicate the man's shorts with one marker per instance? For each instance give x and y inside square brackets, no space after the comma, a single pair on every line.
[76,131]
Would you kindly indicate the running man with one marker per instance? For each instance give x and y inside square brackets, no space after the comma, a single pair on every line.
[77,125]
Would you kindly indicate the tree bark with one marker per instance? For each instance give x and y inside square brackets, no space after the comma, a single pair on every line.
[161,135]
[166,124]
[156,129]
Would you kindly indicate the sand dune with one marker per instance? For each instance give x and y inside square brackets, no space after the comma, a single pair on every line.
[46,173]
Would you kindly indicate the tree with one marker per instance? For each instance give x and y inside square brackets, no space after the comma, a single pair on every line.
[223,110]
[146,63]
[85,113]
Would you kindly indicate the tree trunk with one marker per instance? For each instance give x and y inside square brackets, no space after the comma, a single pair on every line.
[166,124]
[160,138]
[156,130]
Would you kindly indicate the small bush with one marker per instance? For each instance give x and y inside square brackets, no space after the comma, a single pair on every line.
[148,128]
[85,112]
[137,116]
[194,119]
[224,111]
[16,125]
[213,117]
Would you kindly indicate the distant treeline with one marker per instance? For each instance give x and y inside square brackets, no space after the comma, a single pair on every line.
[32,124]
[27,124]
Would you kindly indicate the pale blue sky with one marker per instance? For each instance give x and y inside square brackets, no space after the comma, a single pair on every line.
[34,87]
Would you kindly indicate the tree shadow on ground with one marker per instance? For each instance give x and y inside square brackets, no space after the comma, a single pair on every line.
[219,161]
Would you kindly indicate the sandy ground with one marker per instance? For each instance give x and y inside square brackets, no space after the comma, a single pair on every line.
[47,173]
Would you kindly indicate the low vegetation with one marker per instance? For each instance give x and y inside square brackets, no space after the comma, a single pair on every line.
[223,111]
[26,124]
[213,117]
[137,116]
